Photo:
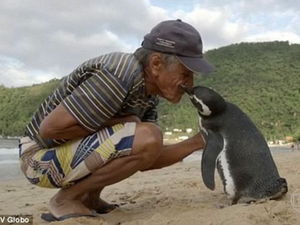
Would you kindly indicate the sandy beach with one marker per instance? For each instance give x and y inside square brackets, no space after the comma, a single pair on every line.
[173,195]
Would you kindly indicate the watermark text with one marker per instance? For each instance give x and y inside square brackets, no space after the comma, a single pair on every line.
[16,219]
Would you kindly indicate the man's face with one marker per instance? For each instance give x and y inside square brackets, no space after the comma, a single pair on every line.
[170,79]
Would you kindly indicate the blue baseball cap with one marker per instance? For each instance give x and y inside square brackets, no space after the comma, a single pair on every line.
[181,39]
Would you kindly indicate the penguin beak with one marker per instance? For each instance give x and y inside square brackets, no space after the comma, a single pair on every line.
[189,91]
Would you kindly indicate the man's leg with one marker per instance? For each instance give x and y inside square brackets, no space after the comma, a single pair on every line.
[174,153]
[170,154]
[146,149]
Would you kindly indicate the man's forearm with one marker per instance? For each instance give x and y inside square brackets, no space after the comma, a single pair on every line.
[69,133]
[177,152]
[73,131]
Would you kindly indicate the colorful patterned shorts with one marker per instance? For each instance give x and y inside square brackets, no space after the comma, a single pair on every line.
[64,165]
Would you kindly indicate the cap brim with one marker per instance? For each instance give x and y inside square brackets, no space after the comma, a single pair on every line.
[197,65]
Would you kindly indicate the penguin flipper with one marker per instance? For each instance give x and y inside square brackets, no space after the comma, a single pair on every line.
[214,145]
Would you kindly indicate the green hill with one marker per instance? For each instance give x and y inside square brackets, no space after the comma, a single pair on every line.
[261,78]
[17,105]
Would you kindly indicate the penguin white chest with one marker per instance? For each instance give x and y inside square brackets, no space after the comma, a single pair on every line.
[200,125]
[222,160]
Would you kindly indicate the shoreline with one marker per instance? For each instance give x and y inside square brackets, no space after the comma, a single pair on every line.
[9,143]
[9,162]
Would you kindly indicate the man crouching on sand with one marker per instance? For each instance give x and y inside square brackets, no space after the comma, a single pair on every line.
[97,128]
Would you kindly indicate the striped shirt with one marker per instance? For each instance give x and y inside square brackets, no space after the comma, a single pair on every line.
[101,88]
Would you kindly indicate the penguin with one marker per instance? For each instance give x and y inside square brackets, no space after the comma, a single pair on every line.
[236,147]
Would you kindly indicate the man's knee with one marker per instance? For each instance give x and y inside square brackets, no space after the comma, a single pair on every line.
[148,142]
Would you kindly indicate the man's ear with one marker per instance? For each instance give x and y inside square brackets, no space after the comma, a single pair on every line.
[155,63]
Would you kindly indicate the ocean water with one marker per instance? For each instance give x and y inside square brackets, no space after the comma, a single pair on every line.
[9,158]
[9,155]
[9,164]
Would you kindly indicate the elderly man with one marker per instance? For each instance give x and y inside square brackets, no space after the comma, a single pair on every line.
[97,128]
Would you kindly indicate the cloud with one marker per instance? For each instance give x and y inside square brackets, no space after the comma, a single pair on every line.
[56,36]
[274,35]
[254,6]
[40,40]
[13,73]
[225,22]
[214,25]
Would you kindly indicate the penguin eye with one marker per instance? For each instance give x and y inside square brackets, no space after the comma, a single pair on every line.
[196,104]
[199,107]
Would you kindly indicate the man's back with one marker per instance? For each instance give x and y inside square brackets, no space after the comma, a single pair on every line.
[94,92]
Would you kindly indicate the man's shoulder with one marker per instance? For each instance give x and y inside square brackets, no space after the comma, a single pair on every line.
[123,65]
[111,61]
[123,68]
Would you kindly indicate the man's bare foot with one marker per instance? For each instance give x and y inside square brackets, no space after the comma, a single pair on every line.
[59,207]
[99,205]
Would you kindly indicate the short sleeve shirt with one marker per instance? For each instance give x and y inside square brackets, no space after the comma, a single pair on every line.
[99,89]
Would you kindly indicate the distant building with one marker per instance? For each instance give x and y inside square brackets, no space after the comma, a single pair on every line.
[183,138]
[289,139]
[177,130]
[189,130]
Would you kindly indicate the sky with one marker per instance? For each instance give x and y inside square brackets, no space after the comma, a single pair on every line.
[45,39]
